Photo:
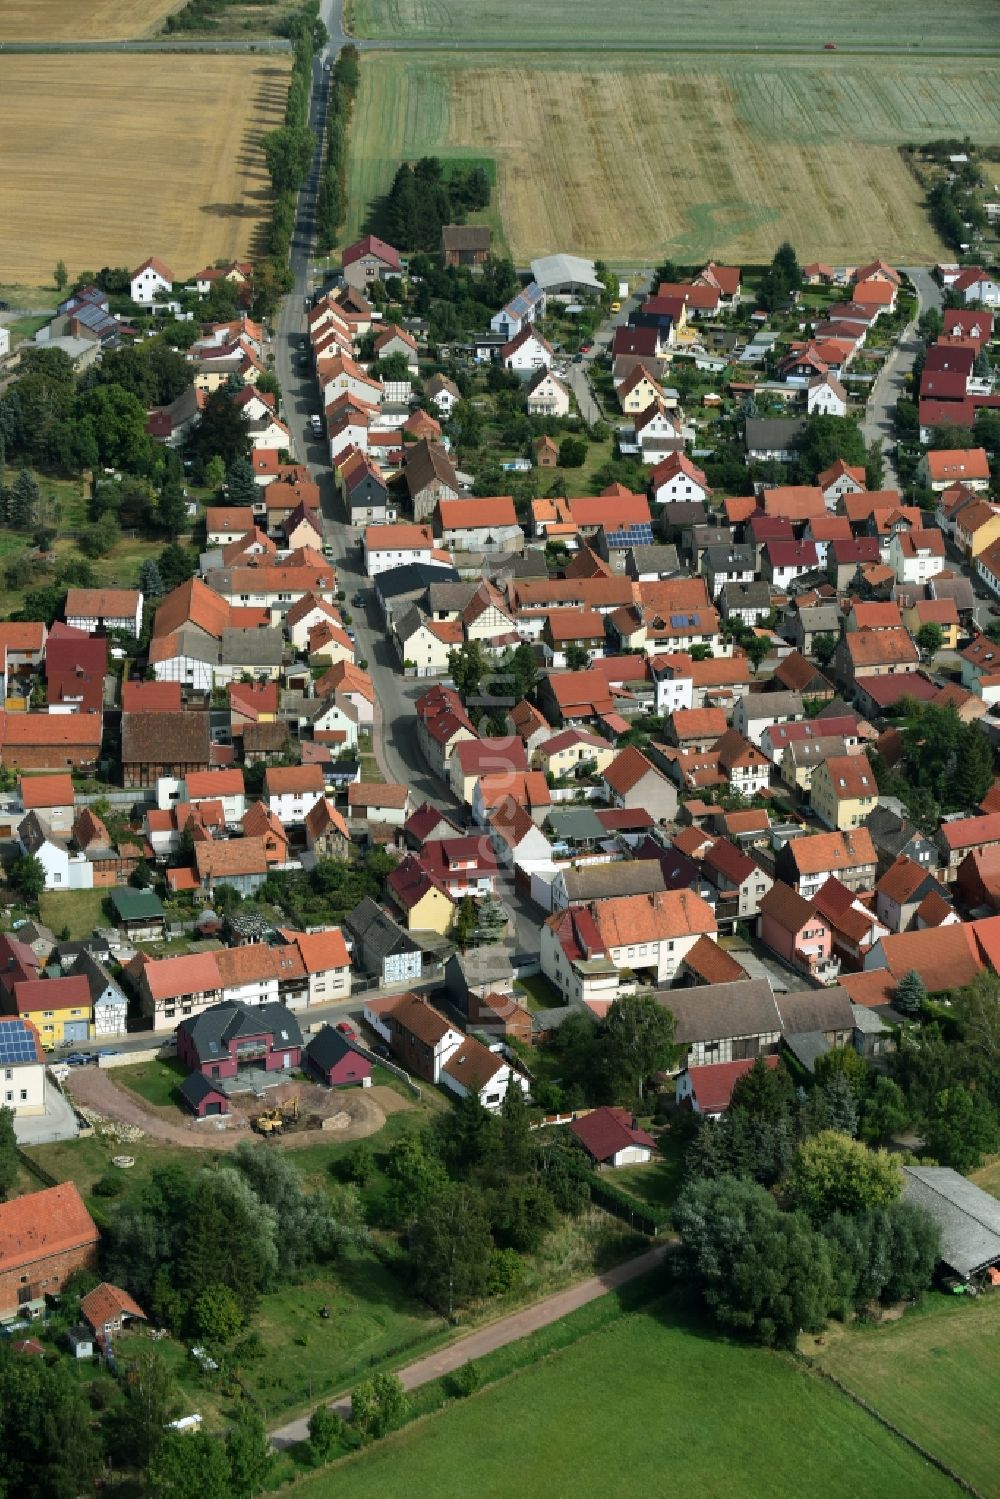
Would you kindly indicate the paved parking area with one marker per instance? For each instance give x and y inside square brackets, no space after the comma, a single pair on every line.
[57,1123]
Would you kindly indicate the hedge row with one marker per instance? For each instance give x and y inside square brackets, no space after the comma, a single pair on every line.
[331,201]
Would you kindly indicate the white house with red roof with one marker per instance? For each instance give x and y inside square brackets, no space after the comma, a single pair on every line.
[708,1090]
[947,466]
[151,280]
[611,1137]
[527,352]
[977,286]
[677,480]
[825,396]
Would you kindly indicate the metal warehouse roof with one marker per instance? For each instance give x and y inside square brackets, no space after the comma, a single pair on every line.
[968,1217]
[560,270]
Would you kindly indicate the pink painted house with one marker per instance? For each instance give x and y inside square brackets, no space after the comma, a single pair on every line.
[229,1038]
[799,935]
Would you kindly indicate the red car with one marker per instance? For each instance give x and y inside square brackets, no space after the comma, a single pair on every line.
[586,348]
[346,1029]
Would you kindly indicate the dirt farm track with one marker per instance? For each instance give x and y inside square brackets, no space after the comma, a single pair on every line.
[107,159]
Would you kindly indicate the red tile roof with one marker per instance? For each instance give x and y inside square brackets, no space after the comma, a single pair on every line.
[105,1303]
[46,791]
[713,1085]
[42,1224]
[604,1132]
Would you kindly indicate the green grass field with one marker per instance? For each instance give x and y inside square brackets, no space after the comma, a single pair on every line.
[75,911]
[155,1082]
[935,1375]
[687,155]
[896,23]
[643,1408]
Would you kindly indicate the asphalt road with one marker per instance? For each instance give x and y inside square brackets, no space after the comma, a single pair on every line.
[878,424]
[395,729]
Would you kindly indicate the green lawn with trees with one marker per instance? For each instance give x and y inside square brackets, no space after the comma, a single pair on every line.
[649,1401]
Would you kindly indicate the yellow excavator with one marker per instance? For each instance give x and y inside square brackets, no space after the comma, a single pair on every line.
[269,1122]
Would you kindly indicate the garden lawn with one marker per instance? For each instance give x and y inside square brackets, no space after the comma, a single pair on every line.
[155,1081]
[79,911]
[644,1407]
[659,1181]
[935,1375]
[85,1160]
[371,1318]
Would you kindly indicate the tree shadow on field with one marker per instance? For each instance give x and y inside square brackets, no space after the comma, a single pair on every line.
[231,210]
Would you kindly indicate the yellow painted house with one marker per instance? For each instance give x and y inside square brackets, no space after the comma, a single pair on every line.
[426,907]
[977,526]
[843,791]
[563,753]
[639,392]
[940,612]
[60,1009]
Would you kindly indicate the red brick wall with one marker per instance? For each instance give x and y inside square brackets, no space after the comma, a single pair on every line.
[48,1274]
[51,757]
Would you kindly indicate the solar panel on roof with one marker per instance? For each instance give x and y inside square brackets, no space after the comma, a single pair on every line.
[17,1044]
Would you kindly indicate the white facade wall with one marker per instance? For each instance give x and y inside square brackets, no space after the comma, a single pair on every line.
[22,1088]
[293,806]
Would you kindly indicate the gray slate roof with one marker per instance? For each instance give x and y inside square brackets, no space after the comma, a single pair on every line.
[968,1217]
[661,558]
[713,1011]
[599,881]
[194,1088]
[773,433]
[252,647]
[327,1047]
[376,932]
[214,1028]
[821,619]
[804,1010]
[772,705]
[756,595]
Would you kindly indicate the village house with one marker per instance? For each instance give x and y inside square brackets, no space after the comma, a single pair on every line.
[154,745]
[793,929]
[45,1238]
[807,862]
[943,467]
[370,259]
[381,946]
[586,949]
[152,279]
[547,395]
[611,1138]
[843,791]
[22,1067]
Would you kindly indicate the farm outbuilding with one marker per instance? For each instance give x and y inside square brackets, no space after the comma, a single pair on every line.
[563,275]
[336,1062]
[204,1101]
[968,1217]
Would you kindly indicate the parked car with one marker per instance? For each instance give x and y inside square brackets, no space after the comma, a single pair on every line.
[346,1029]
[77,1059]
[358,601]
[381,1050]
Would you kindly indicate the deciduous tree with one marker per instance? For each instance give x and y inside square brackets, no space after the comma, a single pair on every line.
[638,1037]
[762,1272]
[833,1173]
[450,1249]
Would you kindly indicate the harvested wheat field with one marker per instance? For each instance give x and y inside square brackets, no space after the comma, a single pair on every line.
[105,160]
[633,160]
[82,20]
